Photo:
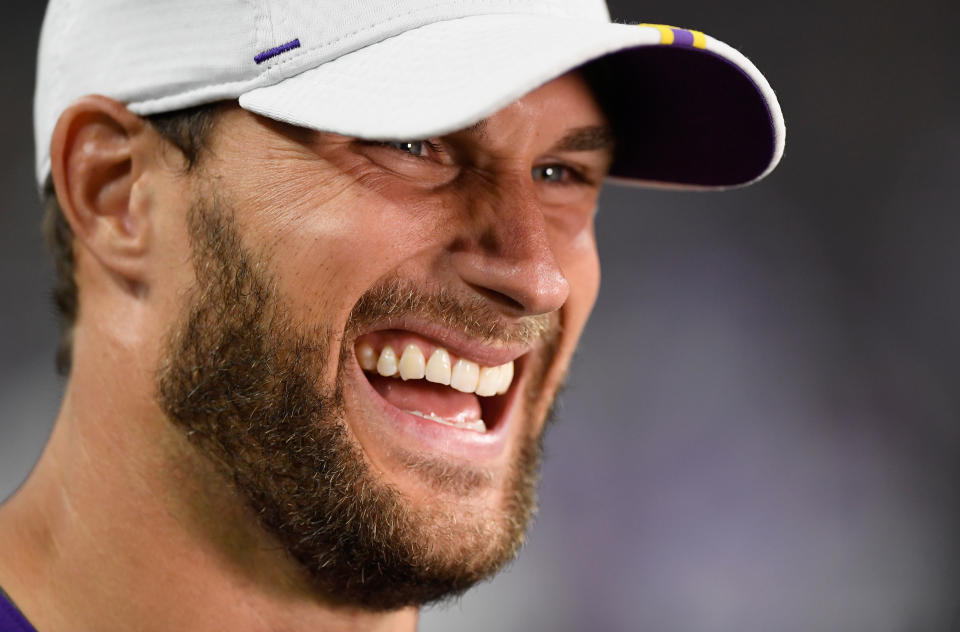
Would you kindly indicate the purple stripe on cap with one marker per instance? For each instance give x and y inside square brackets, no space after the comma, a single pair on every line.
[279,50]
[682,37]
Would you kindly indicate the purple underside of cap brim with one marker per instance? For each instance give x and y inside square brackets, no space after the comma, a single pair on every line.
[692,116]
[682,37]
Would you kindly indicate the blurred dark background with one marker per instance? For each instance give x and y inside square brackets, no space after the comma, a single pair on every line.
[763,428]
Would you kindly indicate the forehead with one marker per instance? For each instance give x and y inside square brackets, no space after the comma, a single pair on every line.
[563,111]
[566,96]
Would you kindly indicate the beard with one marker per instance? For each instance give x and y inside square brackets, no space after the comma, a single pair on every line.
[242,380]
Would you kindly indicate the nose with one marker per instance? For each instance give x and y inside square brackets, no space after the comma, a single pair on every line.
[507,255]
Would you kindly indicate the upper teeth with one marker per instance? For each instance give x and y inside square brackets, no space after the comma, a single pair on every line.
[463,375]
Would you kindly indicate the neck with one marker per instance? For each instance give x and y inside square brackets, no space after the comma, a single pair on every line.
[123,525]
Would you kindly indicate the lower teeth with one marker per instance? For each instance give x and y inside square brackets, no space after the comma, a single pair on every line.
[476,426]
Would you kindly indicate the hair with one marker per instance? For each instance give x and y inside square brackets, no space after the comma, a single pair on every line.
[189,131]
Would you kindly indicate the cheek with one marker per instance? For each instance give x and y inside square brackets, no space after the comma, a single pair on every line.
[328,252]
[581,265]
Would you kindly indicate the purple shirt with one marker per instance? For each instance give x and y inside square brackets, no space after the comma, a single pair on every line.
[11,619]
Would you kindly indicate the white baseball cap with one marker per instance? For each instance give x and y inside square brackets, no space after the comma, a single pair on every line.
[688,110]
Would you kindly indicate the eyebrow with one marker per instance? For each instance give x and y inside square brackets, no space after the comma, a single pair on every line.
[592,138]
[588,138]
[478,129]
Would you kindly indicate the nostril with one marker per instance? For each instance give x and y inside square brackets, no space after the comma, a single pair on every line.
[499,298]
[524,278]
[489,241]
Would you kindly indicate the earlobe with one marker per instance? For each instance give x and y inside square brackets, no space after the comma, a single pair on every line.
[96,160]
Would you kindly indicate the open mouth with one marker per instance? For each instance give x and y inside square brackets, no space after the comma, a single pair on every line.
[424,379]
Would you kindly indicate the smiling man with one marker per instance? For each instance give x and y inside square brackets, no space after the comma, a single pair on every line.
[322,267]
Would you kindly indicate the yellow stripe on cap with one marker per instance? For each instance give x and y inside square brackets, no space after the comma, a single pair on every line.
[666,33]
[699,40]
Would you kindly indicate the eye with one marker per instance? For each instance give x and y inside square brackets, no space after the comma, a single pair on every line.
[418,148]
[423,162]
[560,174]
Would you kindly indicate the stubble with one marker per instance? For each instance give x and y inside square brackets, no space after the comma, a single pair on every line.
[242,380]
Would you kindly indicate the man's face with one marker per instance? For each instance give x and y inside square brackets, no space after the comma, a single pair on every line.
[315,257]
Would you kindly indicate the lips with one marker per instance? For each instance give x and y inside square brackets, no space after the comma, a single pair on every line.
[427,381]
[432,402]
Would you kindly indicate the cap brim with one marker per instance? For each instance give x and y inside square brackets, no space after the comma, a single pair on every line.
[688,110]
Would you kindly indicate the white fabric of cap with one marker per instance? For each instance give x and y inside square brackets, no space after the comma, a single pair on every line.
[384,69]
[397,90]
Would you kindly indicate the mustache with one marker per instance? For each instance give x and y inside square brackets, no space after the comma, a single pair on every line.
[471,315]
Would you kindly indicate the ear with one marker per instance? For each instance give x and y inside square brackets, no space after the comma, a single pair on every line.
[97,155]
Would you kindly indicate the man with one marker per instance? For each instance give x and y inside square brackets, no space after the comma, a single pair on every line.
[322,269]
